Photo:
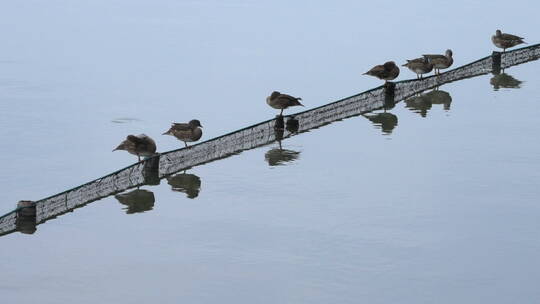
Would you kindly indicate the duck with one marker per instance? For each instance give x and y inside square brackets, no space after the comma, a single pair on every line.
[504,41]
[282,101]
[440,61]
[140,145]
[419,66]
[186,132]
[387,71]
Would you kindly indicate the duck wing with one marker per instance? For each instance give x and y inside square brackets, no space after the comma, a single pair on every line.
[180,126]
[376,70]
[511,37]
[289,97]
[135,140]
[416,60]
[434,56]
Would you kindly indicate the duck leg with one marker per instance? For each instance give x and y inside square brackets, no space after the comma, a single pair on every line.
[281,113]
[185,143]
[139,157]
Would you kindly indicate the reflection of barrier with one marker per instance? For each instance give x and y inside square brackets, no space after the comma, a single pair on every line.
[151,170]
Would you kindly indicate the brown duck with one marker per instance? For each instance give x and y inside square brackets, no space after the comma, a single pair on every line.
[140,145]
[440,61]
[387,71]
[505,41]
[419,66]
[186,132]
[282,101]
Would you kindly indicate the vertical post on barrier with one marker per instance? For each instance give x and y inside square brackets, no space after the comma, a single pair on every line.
[151,170]
[496,62]
[389,95]
[26,217]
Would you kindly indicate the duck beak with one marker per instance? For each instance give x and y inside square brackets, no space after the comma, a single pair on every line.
[166,133]
[200,126]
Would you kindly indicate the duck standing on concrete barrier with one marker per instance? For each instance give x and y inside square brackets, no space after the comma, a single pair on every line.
[440,61]
[387,71]
[186,132]
[140,145]
[419,66]
[505,41]
[282,101]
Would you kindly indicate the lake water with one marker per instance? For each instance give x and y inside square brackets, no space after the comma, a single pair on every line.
[439,208]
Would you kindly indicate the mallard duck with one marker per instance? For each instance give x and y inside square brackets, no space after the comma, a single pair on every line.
[387,71]
[140,145]
[282,101]
[504,41]
[440,61]
[419,66]
[186,132]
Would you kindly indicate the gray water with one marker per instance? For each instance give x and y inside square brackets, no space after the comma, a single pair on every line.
[439,209]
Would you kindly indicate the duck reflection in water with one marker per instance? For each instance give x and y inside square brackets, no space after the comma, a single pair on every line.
[279,156]
[385,121]
[422,103]
[190,184]
[136,201]
[505,81]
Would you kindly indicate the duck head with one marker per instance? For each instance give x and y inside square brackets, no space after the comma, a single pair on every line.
[194,123]
[389,65]
[274,94]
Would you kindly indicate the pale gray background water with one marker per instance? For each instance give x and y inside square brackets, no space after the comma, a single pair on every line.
[443,210]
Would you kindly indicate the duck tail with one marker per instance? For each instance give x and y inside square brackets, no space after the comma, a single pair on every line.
[298,103]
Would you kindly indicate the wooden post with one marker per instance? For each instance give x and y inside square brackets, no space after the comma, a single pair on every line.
[26,217]
[279,123]
[389,95]
[151,170]
[496,62]
[279,134]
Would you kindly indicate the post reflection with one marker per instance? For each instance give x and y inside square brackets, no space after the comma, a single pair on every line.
[190,184]
[505,81]
[279,156]
[137,201]
[422,103]
[385,121]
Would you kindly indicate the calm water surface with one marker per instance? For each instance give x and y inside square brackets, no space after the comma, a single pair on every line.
[436,204]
